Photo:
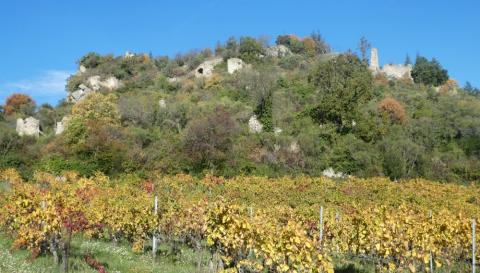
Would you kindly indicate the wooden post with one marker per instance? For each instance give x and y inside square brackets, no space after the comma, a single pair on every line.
[154,244]
[474,244]
[431,255]
[321,224]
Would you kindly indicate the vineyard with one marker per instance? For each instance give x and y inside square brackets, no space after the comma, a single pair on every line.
[248,224]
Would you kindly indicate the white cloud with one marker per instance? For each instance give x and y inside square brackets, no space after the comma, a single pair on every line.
[48,86]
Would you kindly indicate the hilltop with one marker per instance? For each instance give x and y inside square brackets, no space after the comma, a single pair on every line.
[250,108]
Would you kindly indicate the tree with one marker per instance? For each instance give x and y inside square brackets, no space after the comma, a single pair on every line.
[343,84]
[47,116]
[292,42]
[364,45]
[19,103]
[250,49]
[407,60]
[470,89]
[93,133]
[322,46]
[429,72]
[91,60]
[231,49]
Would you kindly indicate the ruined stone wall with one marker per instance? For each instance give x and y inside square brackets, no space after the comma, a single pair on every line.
[374,59]
[28,127]
[397,71]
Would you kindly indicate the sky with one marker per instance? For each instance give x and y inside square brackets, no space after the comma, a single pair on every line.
[41,41]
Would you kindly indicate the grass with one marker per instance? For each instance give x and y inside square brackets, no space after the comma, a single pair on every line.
[116,258]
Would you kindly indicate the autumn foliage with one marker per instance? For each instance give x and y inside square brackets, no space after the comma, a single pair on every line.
[392,109]
[16,102]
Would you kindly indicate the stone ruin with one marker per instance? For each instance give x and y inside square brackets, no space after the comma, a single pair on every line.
[206,68]
[277,51]
[374,59]
[28,127]
[392,71]
[60,126]
[398,71]
[94,83]
[234,64]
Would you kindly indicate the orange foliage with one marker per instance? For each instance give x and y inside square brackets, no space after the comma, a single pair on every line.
[15,101]
[450,85]
[393,109]
[310,45]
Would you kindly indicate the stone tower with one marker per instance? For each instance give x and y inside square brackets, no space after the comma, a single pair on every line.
[374,59]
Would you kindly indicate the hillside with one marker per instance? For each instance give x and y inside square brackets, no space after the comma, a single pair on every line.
[253,109]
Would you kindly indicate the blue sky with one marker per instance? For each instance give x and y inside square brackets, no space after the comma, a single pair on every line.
[40,41]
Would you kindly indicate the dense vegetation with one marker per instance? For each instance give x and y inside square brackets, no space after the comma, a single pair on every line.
[319,110]
[247,224]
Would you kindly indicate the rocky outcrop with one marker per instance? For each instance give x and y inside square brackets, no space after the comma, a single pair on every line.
[294,147]
[277,51]
[28,127]
[82,69]
[162,104]
[234,64]
[110,83]
[330,173]
[206,68]
[254,125]
[94,83]
[78,94]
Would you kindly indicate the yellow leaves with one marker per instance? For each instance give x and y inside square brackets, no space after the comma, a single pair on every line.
[275,237]
[426,258]
[412,268]
[283,268]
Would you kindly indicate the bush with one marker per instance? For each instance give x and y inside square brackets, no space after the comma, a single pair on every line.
[392,109]
[56,164]
[208,141]
[429,72]
[91,60]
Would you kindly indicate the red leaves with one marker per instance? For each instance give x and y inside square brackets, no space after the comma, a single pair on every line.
[74,221]
[94,264]
[148,186]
